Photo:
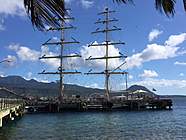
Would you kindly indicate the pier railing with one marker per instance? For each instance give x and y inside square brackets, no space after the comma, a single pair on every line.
[6,103]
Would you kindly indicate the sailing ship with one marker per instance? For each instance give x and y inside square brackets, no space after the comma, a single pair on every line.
[100,103]
[64,102]
[106,103]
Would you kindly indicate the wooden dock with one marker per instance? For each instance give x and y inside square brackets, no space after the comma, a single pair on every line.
[10,109]
[151,104]
[100,105]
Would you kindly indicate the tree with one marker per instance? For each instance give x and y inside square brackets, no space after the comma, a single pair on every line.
[43,12]
[166,6]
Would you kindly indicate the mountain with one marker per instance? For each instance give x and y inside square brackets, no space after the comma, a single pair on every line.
[32,87]
[138,87]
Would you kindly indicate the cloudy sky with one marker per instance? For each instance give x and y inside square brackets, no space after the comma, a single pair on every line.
[155,45]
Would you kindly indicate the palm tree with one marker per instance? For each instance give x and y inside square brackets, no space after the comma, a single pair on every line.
[42,12]
[166,6]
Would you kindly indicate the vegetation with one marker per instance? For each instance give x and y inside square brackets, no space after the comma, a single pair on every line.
[43,12]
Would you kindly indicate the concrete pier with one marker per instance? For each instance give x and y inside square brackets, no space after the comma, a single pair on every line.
[10,108]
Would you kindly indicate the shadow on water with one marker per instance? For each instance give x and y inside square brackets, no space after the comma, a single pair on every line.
[9,129]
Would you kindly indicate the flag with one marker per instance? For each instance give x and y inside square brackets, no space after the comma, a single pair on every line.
[153,89]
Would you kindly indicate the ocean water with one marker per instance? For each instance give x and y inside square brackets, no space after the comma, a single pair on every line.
[120,125]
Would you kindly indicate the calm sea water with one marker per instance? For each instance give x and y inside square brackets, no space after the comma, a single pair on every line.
[145,125]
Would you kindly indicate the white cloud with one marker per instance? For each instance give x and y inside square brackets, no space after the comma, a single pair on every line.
[181,74]
[162,83]
[37,79]
[12,7]
[95,85]
[182,52]
[175,40]
[12,60]
[87,3]
[154,34]
[149,74]
[99,51]
[29,75]
[85,52]
[54,63]
[25,53]
[84,3]
[14,47]
[2,26]
[43,81]
[180,63]
[151,52]
[133,50]
[2,74]
[131,77]
[68,1]
[69,63]
[157,52]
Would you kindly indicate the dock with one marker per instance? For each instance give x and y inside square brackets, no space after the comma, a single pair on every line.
[151,104]
[10,109]
[99,105]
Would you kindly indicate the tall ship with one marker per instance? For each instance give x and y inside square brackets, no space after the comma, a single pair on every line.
[129,100]
[63,101]
[106,20]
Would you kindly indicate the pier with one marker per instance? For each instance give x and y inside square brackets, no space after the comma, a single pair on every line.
[99,104]
[10,109]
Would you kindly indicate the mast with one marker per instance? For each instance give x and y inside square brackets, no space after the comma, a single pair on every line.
[126,82]
[61,62]
[62,42]
[106,65]
[107,72]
